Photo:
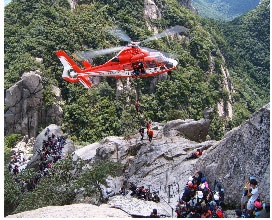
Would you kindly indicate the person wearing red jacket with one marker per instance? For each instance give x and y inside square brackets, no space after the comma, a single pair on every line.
[150,135]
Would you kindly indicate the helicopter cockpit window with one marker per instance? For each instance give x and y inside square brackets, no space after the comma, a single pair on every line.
[159,60]
[115,59]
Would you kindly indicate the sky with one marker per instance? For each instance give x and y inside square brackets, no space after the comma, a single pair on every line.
[6,2]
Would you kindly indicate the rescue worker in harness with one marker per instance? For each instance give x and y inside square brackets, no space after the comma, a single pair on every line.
[138,68]
[137,106]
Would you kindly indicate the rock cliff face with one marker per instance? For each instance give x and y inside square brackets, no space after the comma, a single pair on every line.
[243,152]
[24,106]
[188,4]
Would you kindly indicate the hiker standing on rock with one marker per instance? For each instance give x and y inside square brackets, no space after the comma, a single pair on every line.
[150,134]
[141,130]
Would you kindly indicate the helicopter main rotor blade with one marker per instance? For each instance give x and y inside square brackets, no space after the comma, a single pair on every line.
[119,33]
[85,55]
[164,53]
[173,30]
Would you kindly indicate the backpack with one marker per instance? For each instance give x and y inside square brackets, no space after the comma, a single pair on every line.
[219,213]
[258,204]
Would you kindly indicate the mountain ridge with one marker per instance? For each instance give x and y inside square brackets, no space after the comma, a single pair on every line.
[224,10]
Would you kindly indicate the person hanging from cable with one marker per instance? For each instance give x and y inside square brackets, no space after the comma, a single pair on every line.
[137,106]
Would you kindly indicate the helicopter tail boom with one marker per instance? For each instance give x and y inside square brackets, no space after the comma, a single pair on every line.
[71,71]
[67,62]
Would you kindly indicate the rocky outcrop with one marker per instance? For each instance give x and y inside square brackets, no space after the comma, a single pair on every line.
[151,10]
[157,164]
[136,207]
[225,106]
[123,86]
[190,129]
[243,152]
[73,4]
[73,211]
[25,108]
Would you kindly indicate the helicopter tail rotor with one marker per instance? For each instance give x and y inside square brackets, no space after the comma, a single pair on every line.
[71,72]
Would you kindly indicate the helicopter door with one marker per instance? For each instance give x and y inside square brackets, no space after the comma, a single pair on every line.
[138,68]
[127,68]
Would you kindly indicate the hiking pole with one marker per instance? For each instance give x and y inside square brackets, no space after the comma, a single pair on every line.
[169,195]
[176,183]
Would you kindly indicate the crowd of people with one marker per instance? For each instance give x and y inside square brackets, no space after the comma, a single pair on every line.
[199,201]
[18,162]
[50,153]
[140,192]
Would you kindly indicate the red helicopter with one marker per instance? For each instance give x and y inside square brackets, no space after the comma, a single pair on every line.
[132,61]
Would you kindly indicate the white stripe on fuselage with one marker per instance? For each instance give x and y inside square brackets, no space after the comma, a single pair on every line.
[123,72]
